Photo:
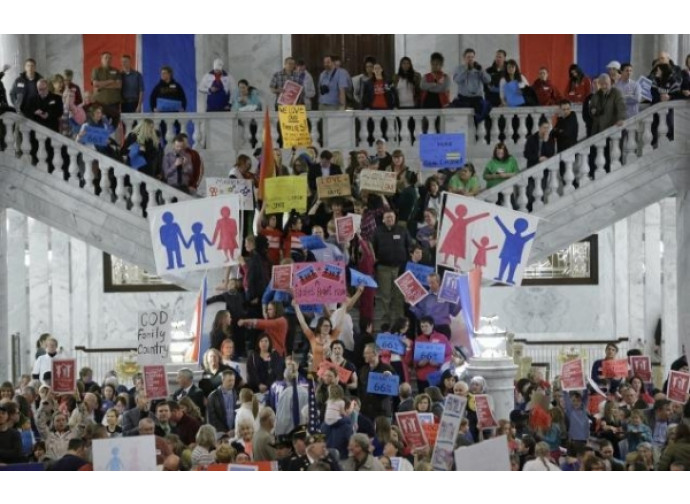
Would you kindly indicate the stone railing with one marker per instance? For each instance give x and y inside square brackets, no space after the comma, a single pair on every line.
[591,159]
[83,167]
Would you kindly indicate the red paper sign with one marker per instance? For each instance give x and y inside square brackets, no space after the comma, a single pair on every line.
[64,376]
[431,432]
[573,376]
[678,386]
[641,366]
[594,403]
[343,374]
[411,429]
[282,277]
[485,417]
[290,94]
[413,291]
[156,382]
[344,229]
[615,368]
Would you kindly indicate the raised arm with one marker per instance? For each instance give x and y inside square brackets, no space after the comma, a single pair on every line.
[502,226]
[353,300]
[476,217]
[300,317]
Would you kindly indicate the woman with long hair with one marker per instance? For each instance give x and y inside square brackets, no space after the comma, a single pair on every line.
[247,98]
[502,166]
[213,371]
[407,84]
[542,462]
[142,150]
[264,365]
[378,92]
[511,85]
[579,85]
[292,246]
[221,328]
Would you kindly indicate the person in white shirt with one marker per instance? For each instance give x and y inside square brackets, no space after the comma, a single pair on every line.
[44,363]
[542,462]
[630,89]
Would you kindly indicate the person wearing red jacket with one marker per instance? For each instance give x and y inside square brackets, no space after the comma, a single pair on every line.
[579,85]
[425,367]
[546,92]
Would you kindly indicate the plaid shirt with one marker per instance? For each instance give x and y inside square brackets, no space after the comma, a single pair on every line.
[280,78]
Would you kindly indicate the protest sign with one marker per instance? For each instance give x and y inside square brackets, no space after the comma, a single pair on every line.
[167,105]
[645,88]
[573,376]
[391,342]
[283,194]
[156,381]
[357,279]
[430,431]
[453,411]
[485,417]
[411,429]
[242,467]
[290,94]
[136,159]
[136,453]
[614,368]
[378,181]
[344,229]
[450,288]
[641,366]
[312,242]
[490,455]
[443,150]
[93,135]
[678,386]
[344,375]
[216,186]
[412,290]
[282,277]
[333,186]
[432,352]
[318,283]
[153,337]
[293,126]
[64,376]
[426,418]
[420,271]
[383,384]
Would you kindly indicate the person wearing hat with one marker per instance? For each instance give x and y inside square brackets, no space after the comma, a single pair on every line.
[219,87]
[298,439]
[614,71]
[284,453]
[315,451]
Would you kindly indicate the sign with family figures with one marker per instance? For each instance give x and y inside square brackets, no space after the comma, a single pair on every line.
[215,186]
[450,288]
[678,386]
[64,376]
[137,453]
[476,234]
[411,288]
[641,366]
[453,411]
[196,235]
[318,282]
[153,337]
[411,429]
[156,381]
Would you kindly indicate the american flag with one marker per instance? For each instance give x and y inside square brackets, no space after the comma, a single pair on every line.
[314,422]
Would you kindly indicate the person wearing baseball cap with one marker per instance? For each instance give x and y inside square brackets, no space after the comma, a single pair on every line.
[614,71]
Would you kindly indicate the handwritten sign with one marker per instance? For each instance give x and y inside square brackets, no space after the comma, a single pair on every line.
[95,135]
[444,150]
[216,186]
[293,126]
[641,366]
[453,411]
[283,194]
[357,279]
[167,105]
[420,271]
[450,288]
[333,186]
[678,386]
[382,384]
[156,381]
[573,376]
[344,375]
[485,417]
[411,288]
[391,342]
[318,283]
[411,429]
[153,337]
[614,368]
[64,376]
[291,93]
[433,352]
[378,181]
[282,277]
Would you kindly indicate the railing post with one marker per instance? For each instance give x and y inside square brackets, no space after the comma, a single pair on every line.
[88,175]
[569,175]
[404,131]
[664,114]
[73,167]
[42,153]
[495,131]
[26,141]
[538,193]
[599,160]
[631,144]
[647,136]
[507,193]
[582,163]
[553,195]
[120,189]
[615,150]
[522,130]
[136,196]
[522,195]
[106,186]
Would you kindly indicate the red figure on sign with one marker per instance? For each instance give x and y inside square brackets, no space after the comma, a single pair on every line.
[482,249]
[225,235]
[454,243]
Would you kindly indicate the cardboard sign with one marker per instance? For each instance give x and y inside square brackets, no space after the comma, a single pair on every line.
[346,227]
[290,94]
[678,386]
[93,135]
[411,429]
[216,186]
[376,181]
[167,105]
[490,455]
[450,288]
[573,376]
[420,271]
[383,384]
[282,277]
[357,279]
[318,283]
[391,342]
[443,150]
[615,368]
[453,411]
[344,375]
[641,366]
[433,352]
[156,382]
[412,290]
[283,194]
[485,417]
[136,453]
[333,186]
[153,337]
[64,376]
[293,126]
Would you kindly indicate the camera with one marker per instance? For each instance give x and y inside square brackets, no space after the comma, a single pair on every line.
[323,89]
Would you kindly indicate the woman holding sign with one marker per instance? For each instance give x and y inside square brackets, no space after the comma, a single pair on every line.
[428,352]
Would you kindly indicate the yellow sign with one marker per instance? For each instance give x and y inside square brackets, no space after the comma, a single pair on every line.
[293,126]
[285,193]
[333,186]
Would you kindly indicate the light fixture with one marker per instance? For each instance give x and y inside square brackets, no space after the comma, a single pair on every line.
[490,338]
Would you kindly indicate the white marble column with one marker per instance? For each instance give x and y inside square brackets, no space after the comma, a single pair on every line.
[59,287]
[17,274]
[39,277]
[669,290]
[97,331]
[5,338]
[621,279]
[79,291]
[652,276]
[13,51]
[684,49]
[683,264]
[636,276]
[670,44]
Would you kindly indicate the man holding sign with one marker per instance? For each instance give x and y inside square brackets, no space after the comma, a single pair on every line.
[430,350]
[377,403]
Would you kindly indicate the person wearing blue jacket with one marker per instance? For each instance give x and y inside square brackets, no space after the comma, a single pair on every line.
[578,418]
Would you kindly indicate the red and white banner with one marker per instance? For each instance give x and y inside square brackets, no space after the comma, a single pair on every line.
[485,417]
[573,376]
[412,289]
[64,376]
[641,366]
[412,429]
[678,386]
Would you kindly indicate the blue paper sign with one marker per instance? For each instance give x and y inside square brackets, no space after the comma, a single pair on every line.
[312,242]
[357,279]
[382,384]
[166,105]
[433,352]
[445,150]
[645,88]
[434,379]
[392,342]
[95,135]
[450,288]
[136,160]
[311,308]
[420,272]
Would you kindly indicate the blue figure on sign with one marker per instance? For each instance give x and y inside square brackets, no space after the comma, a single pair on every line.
[513,246]
[198,239]
[115,464]
[171,236]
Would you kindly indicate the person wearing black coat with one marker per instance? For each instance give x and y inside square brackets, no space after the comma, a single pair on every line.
[324,168]
[566,130]
[25,86]
[378,85]
[169,89]
[4,105]
[44,108]
[540,145]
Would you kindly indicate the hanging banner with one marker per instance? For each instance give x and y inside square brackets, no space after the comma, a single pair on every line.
[378,181]
[294,127]
[176,51]
[285,193]
[194,235]
[333,186]
[215,186]
[411,288]
[318,283]
[64,376]
[449,427]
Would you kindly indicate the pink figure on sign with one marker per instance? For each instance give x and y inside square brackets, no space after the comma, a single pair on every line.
[225,235]
[482,249]
[454,242]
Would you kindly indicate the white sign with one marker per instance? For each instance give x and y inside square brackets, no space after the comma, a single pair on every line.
[136,453]
[453,411]
[476,234]
[489,455]
[215,186]
[153,337]
[196,235]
